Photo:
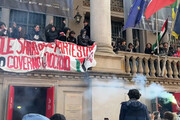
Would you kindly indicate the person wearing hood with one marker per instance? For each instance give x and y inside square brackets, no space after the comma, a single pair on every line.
[36,34]
[83,39]
[15,31]
[71,37]
[52,35]
[64,35]
[32,116]
[3,29]
[57,117]
[133,109]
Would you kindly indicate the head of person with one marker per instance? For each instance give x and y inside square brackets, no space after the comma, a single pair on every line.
[83,32]
[53,28]
[57,117]
[134,94]
[168,115]
[14,24]
[130,46]
[165,45]
[123,42]
[86,22]
[178,48]
[20,28]
[148,45]
[2,26]
[72,34]
[34,117]
[66,30]
[37,28]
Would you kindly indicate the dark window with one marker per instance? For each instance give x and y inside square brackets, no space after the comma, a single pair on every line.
[58,22]
[27,20]
[117,30]
[0,13]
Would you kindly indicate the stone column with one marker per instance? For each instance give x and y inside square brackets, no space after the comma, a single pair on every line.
[129,36]
[101,24]
[142,41]
[5,16]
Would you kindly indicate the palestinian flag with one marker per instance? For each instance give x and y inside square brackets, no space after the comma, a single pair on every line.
[161,35]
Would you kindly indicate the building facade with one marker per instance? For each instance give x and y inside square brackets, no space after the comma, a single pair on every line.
[85,96]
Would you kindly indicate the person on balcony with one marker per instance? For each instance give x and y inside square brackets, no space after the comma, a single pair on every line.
[36,34]
[48,28]
[3,29]
[21,33]
[177,54]
[133,109]
[148,49]
[122,46]
[52,35]
[72,38]
[83,39]
[15,31]
[87,28]
[63,36]
[131,48]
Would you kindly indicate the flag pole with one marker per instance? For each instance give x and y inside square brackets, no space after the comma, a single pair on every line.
[157,37]
[157,32]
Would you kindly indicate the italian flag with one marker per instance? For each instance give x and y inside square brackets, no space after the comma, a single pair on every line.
[161,35]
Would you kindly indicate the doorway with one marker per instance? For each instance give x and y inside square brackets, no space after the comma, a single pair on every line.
[24,100]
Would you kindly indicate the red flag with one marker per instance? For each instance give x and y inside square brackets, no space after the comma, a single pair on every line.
[155,5]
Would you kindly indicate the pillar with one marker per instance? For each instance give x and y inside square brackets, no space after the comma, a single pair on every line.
[5,16]
[100,20]
[129,36]
[142,42]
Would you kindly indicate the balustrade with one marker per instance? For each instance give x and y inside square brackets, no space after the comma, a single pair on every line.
[151,65]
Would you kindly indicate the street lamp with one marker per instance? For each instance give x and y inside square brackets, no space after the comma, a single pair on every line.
[77,17]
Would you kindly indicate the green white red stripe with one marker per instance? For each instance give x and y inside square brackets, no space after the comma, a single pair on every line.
[161,35]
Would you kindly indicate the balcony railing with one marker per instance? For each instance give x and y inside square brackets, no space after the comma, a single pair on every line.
[151,65]
[116,5]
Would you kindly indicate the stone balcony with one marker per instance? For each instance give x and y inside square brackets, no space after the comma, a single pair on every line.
[161,69]
[116,5]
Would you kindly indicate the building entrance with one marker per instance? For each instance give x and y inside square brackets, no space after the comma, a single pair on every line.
[23,100]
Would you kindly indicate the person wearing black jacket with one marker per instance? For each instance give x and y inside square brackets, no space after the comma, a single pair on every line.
[133,109]
[52,34]
[72,38]
[3,29]
[87,28]
[21,33]
[83,39]
[131,48]
[148,49]
[36,34]
[64,35]
[15,31]
[48,28]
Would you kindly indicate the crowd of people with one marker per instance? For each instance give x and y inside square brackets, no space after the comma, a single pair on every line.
[50,34]
[164,49]
[135,110]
